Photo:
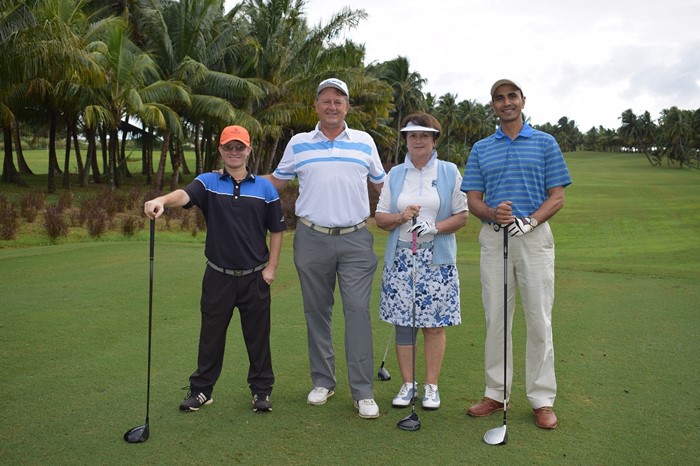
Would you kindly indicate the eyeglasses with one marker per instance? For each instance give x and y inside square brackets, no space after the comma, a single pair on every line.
[231,146]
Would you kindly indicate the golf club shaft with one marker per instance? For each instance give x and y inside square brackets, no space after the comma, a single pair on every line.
[388,343]
[150,316]
[505,323]
[414,239]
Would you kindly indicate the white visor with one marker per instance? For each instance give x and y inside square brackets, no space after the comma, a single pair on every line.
[411,126]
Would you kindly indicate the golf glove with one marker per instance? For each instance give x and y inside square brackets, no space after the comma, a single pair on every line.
[520,226]
[424,228]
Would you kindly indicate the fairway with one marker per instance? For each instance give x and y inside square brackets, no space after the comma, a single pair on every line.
[73,335]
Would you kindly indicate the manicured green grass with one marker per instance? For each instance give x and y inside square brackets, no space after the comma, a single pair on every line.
[73,349]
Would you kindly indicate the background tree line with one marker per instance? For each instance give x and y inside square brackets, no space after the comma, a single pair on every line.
[86,76]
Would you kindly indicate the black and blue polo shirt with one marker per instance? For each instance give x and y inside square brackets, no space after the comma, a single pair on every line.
[238,217]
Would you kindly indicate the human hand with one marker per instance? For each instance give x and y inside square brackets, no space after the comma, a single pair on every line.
[269,274]
[520,226]
[153,208]
[424,228]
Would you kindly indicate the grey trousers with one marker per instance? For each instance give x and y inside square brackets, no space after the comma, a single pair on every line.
[319,258]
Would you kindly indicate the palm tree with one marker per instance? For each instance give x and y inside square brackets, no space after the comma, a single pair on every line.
[407,91]
[448,113]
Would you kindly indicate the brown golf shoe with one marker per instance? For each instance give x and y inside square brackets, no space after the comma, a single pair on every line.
[486,407]
[545,417]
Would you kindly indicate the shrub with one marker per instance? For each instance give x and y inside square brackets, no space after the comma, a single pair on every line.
[54,223]
[288,197]
[9,219]
[85,211]
[31,204]
[65,200]
[97,222]
[131,225]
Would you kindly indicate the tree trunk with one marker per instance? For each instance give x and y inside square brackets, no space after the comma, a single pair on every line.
[198,161]
[175,157]
[9,172]
[123,167]
[106,169]
[53,162]
[21,163]
[272,157]
[66,161]
[76,147]
[160,173]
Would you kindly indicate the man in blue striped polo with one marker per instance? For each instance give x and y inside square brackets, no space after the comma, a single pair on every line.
[515,179]
[333,164]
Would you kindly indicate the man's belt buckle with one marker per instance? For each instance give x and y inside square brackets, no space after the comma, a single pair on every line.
[335,231]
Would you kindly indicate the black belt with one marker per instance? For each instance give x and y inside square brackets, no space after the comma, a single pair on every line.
[333,231]
[236,273]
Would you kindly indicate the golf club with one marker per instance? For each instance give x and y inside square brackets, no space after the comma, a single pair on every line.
[383,374]
[140,434]
[411,422]
[498,435]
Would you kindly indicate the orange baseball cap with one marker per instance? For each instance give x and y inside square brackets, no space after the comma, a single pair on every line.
[235,133]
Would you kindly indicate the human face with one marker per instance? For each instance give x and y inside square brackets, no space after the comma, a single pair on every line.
[235,154]
[420,145]
[332,106]
[508,103]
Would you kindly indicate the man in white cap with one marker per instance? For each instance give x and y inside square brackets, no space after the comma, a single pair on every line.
[333,164]
[515,179]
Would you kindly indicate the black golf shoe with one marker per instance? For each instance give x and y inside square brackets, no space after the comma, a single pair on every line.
[261,403]
[195,400]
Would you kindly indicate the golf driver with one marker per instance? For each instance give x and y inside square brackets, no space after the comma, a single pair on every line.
[383,374]
[498,435]
[411,422]
[140,434]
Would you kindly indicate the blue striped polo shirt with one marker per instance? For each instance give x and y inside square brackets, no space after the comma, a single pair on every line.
[238,216]
[521,170]
[332,175]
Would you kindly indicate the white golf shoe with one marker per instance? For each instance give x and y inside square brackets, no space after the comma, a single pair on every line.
[431,398]
[405,395]
[319,396]
[368,409]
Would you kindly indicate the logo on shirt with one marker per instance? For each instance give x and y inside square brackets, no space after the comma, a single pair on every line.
[434,183]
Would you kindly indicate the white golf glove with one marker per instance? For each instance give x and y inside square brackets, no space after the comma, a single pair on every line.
[424,228]
[520,226]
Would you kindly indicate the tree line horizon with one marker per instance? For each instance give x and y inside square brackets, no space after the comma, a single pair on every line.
[78,72]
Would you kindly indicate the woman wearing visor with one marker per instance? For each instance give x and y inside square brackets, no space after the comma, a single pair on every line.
[428,190]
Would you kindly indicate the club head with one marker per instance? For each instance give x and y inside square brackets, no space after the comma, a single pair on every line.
[383,374]
[137,434]
[496,436]
[410,422]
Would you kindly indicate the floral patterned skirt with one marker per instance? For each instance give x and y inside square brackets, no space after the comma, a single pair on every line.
[437,291]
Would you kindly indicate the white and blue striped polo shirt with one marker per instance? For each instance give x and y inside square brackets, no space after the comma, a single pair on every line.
[521,170]
[332,175]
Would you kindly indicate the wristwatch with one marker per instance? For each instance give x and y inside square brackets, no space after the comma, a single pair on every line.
[533,222]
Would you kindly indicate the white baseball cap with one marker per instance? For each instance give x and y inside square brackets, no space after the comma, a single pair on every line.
[333,82]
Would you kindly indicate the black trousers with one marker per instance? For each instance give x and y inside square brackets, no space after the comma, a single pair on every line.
[222,293]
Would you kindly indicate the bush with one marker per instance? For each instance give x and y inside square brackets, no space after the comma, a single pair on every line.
[65,200]
[97,222]
[131,225]
[9,219]
[31,204]
[54,223]
[288,197]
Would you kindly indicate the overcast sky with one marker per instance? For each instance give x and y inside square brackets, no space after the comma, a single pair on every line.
[588,61]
